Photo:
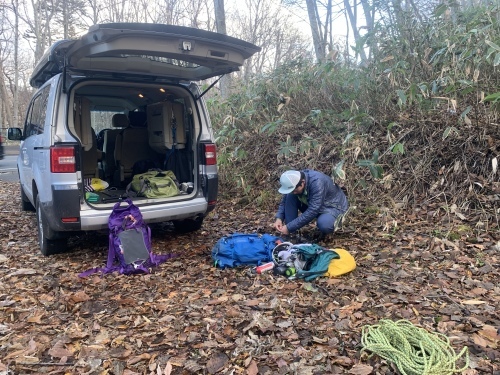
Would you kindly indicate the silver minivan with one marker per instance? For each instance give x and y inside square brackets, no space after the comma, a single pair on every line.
[116,102]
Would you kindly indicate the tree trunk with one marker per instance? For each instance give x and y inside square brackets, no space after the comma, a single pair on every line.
[220,16]
[15,117]
[352,13]
[220,22]
[327,34]
[319,45]
[369,13]
[65,18]
[6,102]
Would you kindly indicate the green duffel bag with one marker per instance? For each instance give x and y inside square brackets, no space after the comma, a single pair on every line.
[153,184]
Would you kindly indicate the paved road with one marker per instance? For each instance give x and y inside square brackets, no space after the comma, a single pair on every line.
[8,169]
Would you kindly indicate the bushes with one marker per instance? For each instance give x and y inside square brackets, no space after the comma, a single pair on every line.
[409,126]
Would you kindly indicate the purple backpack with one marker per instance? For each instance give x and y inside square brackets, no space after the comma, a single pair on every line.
[129,249]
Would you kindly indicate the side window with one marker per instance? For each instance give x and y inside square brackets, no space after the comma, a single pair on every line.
[35,121]
[27,124]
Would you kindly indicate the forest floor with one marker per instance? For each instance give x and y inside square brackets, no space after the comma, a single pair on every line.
[190,317]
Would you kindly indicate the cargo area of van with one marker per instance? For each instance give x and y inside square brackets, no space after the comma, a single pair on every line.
[125,130]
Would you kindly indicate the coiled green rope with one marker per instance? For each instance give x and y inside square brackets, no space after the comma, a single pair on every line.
[413,350]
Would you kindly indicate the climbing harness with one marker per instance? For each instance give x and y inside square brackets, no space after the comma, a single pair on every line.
[413,350]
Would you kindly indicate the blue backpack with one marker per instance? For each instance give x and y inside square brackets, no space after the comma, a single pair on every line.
[129,250]
[241,249]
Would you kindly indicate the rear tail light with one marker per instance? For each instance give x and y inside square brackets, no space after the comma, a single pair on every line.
[62,160]
[210,152]
[69,219]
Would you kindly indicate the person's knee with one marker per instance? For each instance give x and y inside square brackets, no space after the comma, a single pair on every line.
[326,223]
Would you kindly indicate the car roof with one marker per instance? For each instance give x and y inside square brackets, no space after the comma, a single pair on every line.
[152,51]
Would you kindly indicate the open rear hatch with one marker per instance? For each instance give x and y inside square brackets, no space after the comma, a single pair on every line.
[158,51]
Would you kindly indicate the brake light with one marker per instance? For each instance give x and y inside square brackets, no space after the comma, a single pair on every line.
[210,154]
[62,160]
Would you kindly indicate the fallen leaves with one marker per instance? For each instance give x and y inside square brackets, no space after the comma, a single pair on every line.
[188,317]
[59,350]
[22,272]
[79,296]
[361,370]
[473,302]
[216,362]
[487,337]
[252,368]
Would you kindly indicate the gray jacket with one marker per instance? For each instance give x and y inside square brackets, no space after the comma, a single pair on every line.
[323,196]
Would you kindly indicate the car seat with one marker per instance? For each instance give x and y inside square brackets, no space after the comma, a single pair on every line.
[132,145]
[118,122]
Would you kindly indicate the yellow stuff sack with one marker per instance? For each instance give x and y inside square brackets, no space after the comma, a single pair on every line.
[98,184]
[95,184]
[344,264]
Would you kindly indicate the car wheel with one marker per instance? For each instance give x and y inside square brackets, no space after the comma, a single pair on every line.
[188,225]
[50,241]
[25,202]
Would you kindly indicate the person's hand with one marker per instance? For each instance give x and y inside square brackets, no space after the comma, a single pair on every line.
[278,224]
[284,230]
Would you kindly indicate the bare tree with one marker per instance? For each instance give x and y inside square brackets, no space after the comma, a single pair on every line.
[320,19]
[170,12]
[93,16]
[5,50]
[70,15]
[352,13]
[115,10]
[38,16]
[139,11]
[201,14]
[264,24]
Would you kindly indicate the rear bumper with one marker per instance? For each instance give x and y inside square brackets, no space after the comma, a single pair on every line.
[93,219]
[69,214]
[67,206]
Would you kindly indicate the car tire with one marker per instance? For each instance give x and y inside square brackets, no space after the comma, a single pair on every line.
[50,241]
[25,202]
[188,225]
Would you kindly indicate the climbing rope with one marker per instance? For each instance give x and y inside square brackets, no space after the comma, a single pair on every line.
[413,350]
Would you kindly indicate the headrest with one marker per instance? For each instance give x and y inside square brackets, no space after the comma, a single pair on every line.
[137,119]
[119,120]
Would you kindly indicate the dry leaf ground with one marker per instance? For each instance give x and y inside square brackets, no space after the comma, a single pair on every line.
[189,317]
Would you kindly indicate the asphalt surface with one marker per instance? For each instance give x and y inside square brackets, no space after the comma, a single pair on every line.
[8,170]
[11,149]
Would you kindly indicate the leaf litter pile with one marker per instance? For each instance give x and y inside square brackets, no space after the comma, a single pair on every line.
[188,317]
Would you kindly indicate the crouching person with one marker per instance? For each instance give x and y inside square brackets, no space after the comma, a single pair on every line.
[315,195]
